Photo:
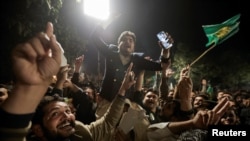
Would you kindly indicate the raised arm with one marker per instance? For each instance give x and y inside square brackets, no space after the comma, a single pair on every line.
[34,64]
[112,117]
[77,70]
[184,89]
[201,120]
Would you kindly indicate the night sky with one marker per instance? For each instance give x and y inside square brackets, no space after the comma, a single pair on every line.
[181,18]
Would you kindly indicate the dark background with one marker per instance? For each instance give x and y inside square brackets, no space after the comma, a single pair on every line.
[181,18]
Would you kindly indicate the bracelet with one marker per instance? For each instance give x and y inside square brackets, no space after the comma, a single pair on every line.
[164,59]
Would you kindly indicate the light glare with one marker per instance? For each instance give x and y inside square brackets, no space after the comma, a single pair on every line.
[97,8]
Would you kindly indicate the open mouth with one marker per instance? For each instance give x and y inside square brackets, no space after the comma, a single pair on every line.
[66,126]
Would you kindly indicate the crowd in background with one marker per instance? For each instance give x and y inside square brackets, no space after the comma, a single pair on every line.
[74,107]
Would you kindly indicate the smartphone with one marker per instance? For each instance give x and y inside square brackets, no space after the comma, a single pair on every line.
[162,36]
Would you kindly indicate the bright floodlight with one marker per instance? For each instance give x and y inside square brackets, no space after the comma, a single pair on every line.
[97,8]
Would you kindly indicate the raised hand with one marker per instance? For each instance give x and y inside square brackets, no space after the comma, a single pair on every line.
[78,63]
[36,61]
[165,40]
[128,81]
[211,117]
[184,89]
[185,84]
[34,64]
[62,76]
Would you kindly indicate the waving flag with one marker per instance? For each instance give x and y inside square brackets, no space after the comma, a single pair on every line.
[218,33]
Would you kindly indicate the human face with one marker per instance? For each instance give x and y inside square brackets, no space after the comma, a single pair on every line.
[167,110]
[150,101]
[229,118]
[58,120]
[198,102]
[239,99]
[219,96]
[90,93]
[127,45]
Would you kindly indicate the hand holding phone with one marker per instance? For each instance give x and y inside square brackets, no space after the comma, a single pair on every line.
[166,39]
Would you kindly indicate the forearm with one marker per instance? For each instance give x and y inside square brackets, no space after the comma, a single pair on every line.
[59,84]
[115,112]
[164,87]
[186,104]
[165,53]
[74,88]
[157,81]
[24,99]
[75,78]
[178,127]
[139,81]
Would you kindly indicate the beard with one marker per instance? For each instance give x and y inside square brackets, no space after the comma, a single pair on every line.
[58,136]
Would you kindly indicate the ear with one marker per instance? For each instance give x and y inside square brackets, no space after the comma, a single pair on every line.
[37,130]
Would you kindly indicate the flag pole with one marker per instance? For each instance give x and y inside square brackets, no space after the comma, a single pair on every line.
[205,52]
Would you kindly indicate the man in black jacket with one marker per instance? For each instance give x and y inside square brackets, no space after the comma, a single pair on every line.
[117,61]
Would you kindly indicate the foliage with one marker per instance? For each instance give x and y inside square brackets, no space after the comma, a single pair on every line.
[221,66]
[31,16]
[24,18]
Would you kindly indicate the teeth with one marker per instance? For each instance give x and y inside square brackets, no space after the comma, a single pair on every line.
[65,124]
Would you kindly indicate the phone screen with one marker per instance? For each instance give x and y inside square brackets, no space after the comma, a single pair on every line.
[164,40]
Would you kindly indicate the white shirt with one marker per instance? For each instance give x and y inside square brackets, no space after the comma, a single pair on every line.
[160,132]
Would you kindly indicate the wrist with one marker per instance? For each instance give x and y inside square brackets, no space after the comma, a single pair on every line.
[121,92]
[164,59]
[25,95]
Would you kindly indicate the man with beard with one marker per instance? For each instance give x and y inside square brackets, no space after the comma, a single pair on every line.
[40,59]
[116,62]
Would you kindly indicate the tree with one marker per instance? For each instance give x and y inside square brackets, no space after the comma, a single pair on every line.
[23,19]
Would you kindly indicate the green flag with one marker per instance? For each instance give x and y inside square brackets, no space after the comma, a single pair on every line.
[218,33]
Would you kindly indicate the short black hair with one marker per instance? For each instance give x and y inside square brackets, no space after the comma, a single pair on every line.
[38,116]
[126,33]
[155,91]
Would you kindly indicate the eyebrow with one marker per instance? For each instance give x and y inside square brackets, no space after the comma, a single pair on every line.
[58,107]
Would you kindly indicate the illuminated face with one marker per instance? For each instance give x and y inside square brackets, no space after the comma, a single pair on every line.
[127,45]
[199,102]
[58,121]
[150,100]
